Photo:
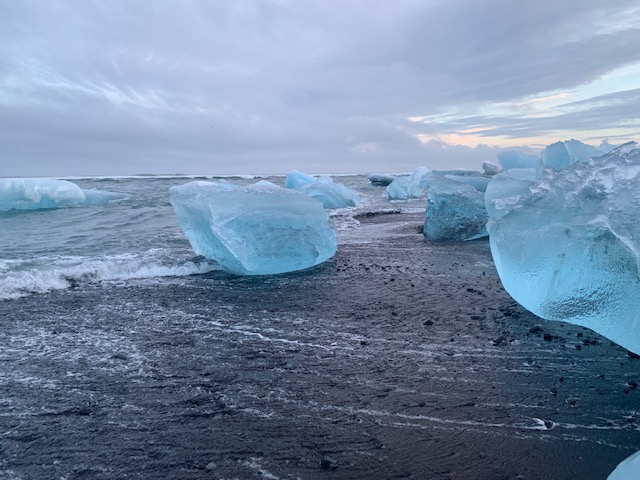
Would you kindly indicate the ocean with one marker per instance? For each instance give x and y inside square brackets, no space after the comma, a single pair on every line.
[125,355]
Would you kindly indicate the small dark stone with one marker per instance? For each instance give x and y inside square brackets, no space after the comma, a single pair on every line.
[535,329]
[601,375]
[501,341]
[476,317]
[328,463]
[548,337]
[578,347]
[572,401]
[561,379]
[428,322]
[549,424]
[554,391]
[364,342]
[632,384]
[394,314]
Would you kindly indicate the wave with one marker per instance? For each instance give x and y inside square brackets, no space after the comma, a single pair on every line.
[20,278]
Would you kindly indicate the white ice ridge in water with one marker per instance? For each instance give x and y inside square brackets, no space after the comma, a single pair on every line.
[324,189]
[568,246]
[44,193]
[259,229]
[628,469]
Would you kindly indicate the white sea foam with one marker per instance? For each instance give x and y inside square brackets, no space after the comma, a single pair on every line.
[19,278]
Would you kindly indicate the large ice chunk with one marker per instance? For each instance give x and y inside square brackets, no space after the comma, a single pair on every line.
[513,159]
[406,187]
[255,230]
[38,193]
[324,189]
[381,179]
[628,469]
[561,155]
[455,210]
[568,247]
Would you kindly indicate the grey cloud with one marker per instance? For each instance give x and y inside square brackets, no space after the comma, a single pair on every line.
[128,86]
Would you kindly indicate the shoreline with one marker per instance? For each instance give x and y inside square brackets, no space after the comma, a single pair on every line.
[396,358]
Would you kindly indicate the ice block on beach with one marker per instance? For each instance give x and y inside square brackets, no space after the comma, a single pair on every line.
[568,246]
[255,230]
[406,187]
[324,189]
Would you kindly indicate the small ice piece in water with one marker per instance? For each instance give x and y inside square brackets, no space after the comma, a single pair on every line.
[455,210]
[490,168]
[381,179]
[513,159]
[259,229]
[102,197]
[324,189]
[38,193]
[568,247]
[561,155]
[406,187]
[628,469]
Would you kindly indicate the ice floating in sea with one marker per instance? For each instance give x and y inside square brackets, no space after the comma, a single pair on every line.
[568,247]
[381,179]
[455,210]
[406,187]
[628,469]
[44,193]
[324,189]
[255,230]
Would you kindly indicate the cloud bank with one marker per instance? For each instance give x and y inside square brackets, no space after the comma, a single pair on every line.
[248,86]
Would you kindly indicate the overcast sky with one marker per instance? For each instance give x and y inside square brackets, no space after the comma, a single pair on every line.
[245,86]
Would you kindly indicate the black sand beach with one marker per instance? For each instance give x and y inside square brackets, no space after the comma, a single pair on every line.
[396,359]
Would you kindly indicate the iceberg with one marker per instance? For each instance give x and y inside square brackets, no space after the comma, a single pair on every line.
[561,155]
[332,195]
[46,193]
[509,159]
[406,187]
[568,246]
[259,229]
[455,210]
[381,179]
[628,469]
[490,168]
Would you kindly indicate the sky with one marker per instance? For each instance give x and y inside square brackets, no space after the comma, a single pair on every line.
[124,87]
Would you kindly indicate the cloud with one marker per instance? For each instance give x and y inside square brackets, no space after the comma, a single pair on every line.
[90,87]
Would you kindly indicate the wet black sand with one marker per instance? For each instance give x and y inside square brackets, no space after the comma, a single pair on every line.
[396,359]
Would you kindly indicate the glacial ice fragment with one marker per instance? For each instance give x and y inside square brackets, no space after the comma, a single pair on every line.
[568,247]
[406,187]
[260,229]
[455,210]
[490,168]
[509,159]
[381,179]
[324,189]
[561,155]
[628,469]
[38,193]
[479,182]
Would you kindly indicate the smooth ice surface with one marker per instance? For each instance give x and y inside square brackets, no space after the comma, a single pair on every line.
[324,189]
[455,210]
[628,469]
[381,179]
[569,248]
[255,230]
[513,159]
[38,193]
[296,180]
[561,155]
[406,187]
[479,182]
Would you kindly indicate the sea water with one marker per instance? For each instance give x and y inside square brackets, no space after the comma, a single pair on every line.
[135,238]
